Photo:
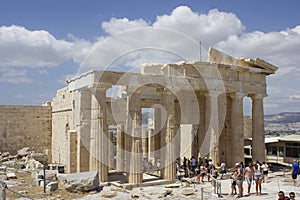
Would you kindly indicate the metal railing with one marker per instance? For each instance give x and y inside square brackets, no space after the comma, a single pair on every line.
[4,187]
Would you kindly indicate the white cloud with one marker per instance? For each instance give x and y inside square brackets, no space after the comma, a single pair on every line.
[208,28]
[22,47]
[280,48]
[80,48]
[10,75]
[169,38]
[117,26]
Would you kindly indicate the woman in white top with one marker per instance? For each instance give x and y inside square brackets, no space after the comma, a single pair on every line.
[257,177]
[264,167]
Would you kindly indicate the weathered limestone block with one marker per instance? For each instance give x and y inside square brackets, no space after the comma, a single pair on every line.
[11,175]
[23,152]
[52,186]
[81,182]
[188,191]
[2,168]
[108,194]
[3,177]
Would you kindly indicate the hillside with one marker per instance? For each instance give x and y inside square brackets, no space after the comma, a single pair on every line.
[282,123]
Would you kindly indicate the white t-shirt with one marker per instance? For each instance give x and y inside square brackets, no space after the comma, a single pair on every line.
[264,167]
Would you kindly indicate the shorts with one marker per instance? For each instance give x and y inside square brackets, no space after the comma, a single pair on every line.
[223,171]
[239,182]
[233,182]
[265,172]
[198,176]
[249,180]
[294,176]
[257,177]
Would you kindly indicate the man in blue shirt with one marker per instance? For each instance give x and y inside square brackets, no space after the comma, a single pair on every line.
[295,170]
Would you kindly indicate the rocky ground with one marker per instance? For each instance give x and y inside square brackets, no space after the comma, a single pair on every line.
[22,180]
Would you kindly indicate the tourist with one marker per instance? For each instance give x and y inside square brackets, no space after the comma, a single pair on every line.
[295,170]
[249,176]
[185,166]
[239,178]
[222,169]
[214,174]
[257,178]
[265,169]
[198,174]
[233,183]
[158,166]
[208,168]
[193,163]
[281,196]
[292,195]
[202,171]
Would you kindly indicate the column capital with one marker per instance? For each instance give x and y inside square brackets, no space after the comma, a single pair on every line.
[212,93]
[257,96]
[237,95]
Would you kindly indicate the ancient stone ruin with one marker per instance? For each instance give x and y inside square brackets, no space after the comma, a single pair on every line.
[198,111]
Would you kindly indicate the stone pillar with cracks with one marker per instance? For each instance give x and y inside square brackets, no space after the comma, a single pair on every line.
[258,134]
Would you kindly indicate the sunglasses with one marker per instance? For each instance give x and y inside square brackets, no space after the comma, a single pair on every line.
[292,196]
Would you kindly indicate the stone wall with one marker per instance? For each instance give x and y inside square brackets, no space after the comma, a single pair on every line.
[63,130]
[25,126]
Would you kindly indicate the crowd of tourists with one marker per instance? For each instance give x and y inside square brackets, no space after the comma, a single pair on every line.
[255,173]
[201,169]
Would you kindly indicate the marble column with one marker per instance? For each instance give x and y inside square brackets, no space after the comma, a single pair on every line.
[202,121]
[157,133]
[169,160]
[120,147]
[134,121]
[82,109]
[211,140]
[151,144]
[237,128]
[145,145]
[258,134]
[213,129]
[99,148]
[111,161]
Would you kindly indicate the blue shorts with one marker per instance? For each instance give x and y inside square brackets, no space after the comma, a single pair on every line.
[249,180]
[257,177]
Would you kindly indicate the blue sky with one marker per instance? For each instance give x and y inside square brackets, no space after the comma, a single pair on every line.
[44,42]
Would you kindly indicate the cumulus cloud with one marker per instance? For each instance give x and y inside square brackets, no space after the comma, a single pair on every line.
[116,26]
[209,28]
[22,47]
[171,37]
[280,48]
[11,75]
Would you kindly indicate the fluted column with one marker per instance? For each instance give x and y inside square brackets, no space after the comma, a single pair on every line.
[258,134]
[214,127]
[157,133]
[151,144]
[237,127]
[111,162]
[211,139]
[134,122]
[99,132]
[120,147]
[168,162]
